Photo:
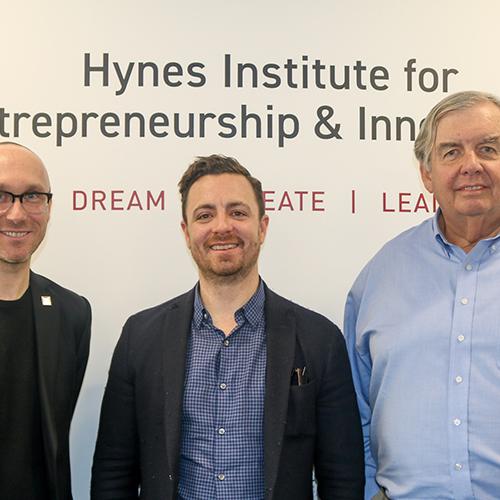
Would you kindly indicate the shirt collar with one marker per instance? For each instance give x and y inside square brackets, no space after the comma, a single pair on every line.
[445,244]
[253,310]
[438,234]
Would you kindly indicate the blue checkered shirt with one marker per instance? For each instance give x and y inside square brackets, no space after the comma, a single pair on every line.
[222,448]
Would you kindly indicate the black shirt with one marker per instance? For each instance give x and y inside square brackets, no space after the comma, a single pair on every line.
[22,465]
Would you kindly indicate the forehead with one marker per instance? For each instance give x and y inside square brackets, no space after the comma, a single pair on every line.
[469,124]
[221,189]
[21,169]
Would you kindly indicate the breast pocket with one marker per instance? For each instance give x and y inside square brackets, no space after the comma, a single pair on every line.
[301,415]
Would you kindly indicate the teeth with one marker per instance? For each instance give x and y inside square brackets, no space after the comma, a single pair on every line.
[227,246]
[472,188]
[15,234]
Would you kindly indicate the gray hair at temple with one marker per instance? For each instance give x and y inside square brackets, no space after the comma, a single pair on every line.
[427,135]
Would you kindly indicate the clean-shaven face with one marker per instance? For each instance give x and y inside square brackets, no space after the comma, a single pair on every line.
[465,164]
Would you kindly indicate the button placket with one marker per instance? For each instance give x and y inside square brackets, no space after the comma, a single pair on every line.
[459,368]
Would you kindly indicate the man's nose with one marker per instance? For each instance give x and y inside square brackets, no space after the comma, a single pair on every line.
[16,211]
[222,223]
[471,163]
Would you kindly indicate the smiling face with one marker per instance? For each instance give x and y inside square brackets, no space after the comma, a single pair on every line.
[465,166]
[223,229]
[21,233]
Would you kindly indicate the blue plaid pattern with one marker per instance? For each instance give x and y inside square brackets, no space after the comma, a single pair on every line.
[222,449]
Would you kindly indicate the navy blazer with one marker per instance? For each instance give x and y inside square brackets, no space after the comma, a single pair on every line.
[312,425]
[62,328]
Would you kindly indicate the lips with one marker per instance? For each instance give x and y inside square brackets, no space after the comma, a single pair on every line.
[15,234]
[223,246]
[472,188]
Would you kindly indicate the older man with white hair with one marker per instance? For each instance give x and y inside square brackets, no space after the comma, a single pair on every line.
[423,322]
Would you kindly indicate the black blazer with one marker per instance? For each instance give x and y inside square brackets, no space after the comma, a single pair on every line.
[62,326]
[316,424]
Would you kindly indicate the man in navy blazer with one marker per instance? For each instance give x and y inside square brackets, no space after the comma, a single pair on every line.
[44,341]
[228,391]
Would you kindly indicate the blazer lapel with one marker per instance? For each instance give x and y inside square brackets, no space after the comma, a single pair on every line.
[280,338]
[176,331]
[47,327]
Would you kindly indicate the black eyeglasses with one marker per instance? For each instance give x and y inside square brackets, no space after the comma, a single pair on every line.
[33,202]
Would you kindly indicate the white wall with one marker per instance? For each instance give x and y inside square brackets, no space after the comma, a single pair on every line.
[126,260]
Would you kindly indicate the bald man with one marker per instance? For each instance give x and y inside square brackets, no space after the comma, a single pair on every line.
[44,341]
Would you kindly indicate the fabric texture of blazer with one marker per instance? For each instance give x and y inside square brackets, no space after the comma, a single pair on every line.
[62,328]
[311,425]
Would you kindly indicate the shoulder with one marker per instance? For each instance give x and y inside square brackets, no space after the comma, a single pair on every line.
[73,310]
[320,340]
[306,320]
[405,243]
[407,238]
[145,332]
[181,306]
[395,255]
[66,298]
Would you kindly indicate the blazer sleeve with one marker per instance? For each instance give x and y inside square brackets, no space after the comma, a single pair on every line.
[82,349]
[115,471]
[339,464]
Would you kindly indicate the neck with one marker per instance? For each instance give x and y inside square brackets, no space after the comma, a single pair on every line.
[222,298]
[14,280]
[468,232]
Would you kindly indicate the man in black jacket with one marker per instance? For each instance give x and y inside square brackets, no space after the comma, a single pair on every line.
[228,391]
[44,341]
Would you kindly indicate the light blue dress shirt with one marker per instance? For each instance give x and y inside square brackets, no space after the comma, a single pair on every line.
[422,324]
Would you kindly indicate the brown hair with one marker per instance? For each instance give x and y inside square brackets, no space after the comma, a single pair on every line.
[217,165]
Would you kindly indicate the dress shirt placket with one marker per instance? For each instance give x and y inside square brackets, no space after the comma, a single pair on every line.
[223,429]
[468,266]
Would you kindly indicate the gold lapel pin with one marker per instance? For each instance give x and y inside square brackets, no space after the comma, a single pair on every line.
[46,300]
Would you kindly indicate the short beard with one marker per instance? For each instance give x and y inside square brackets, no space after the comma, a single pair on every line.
[227,278]
[230,276]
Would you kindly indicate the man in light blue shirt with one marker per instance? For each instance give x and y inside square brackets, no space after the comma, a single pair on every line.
[423,322]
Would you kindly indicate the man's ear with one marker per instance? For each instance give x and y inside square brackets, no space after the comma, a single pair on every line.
[426,176]
[264,224]
[186,233]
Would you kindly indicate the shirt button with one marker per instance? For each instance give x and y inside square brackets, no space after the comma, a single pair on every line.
[464,301]
[223,386]
[458,466]
[460,338]
[221,477]
[457,421]
[493,248]
[458,379]
[468,267]
[222,431]
[226,343]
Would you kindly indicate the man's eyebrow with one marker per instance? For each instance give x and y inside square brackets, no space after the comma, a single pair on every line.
[447,145]
[30,189]
[234,204]
[490,139]
[230,204]
[204,206]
